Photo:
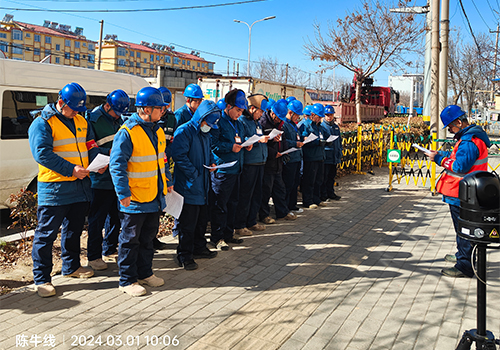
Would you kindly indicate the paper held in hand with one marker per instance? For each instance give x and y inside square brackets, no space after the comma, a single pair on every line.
[332,138]
[221,166]
[251,141]
[310,138]
[425,150]
[99,162]
[290,150]
[274,133]
[174,203]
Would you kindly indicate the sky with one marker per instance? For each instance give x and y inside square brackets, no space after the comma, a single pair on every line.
[213,33]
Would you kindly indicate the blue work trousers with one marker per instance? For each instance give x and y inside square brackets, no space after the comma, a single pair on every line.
[50,219]
[224,199]
[191,226]
[103,214]
[273,186]
[250,196]
[135,253]
[311,182]
[464,248]
[327,187]
[291,178]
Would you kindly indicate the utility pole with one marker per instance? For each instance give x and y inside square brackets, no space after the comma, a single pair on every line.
[443,59]
[228,67]
[435,48]
[100,45]
[492,95]
[286,74]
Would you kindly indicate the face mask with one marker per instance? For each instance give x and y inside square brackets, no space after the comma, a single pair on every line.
[205,128]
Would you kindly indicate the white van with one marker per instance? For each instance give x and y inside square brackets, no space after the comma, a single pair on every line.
[27,86]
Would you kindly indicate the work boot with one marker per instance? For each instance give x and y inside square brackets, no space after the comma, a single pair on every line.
[152,281]
[45,290]
[268,220]
[257,227]
[323,204]
[98,264]
[453,272]
[313,206]
[221,245]
[234,240]
[206,254]
[111,258]
[243,232]
[451,258]
[82,272]
[134,289]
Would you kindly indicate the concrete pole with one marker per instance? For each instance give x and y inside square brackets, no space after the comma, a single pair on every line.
[435,68]
[100,45]
[492,97]
[443,58]
[427,71]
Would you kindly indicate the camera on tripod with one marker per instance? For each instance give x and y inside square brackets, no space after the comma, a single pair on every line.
[479,195]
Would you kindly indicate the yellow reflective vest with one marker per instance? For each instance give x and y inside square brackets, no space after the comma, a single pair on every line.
[143,165]
[68,146]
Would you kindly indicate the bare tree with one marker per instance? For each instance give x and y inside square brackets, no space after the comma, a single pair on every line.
[270,68]
[365,40]
[470,68]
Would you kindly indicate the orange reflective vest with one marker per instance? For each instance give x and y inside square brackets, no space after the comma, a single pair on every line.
[448,183]
[143,165]
[67,145]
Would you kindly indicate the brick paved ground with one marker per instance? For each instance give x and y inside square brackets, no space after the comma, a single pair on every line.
[362,273]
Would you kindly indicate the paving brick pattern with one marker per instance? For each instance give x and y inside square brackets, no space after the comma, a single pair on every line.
[361,273]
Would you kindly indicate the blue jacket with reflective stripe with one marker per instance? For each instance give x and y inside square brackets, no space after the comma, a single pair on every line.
[41,144]
[258,154]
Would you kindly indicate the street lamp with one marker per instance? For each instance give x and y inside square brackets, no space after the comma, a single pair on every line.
[250,37]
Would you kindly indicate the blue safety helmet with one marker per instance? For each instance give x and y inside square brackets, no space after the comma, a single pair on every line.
[450,113]
[295,106]
[236,98]
[74,96]
[212,119]
[280,109]
[329,110]
[118,101]
[193,91]
[167,95]
[307,110]
[270,103]
[149,97]
[290,99]
[221,104]
[318,109]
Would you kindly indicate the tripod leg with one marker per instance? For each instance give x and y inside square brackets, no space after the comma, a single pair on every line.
[466,342]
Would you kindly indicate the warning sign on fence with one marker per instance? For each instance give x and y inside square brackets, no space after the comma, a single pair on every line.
[393,156]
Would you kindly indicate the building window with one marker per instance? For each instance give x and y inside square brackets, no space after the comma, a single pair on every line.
[145,60]
[157,57]
[4,47]
[67,42]
[138,55]
[121,51]
[211,66]
[77,56]
[151,58]
[3,35]
[198,64]
[203,65]
[58,60]
[176,60]
[91,47]
[18,50]
[58,47]
[66,55]
[121,62]
[77,44]
[151,66]
[48,40]
[183,62]
[167,59]
[17,34]
[138,64]
[144,71]
[37,38]
[91,58]
[36,51]
[28,35]
[47,52]
[84,44]
[131,53]
[188,63]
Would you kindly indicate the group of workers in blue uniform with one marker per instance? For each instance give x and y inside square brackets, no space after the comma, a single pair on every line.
[127,198]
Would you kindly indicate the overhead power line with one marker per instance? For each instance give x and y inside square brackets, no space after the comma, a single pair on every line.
[132,10]
[470,27]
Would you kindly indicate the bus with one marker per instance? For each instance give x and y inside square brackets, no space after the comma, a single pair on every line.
[26,87]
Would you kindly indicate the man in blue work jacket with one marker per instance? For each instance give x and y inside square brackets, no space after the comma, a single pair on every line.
[137,168]
[333,155]
[63,146]
[253,168]
[105,120]
[192,153]
[226,147]
[194,96]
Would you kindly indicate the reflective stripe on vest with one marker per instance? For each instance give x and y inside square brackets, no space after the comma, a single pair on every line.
[448,183]
[105,140]
[68,146]
[143,165]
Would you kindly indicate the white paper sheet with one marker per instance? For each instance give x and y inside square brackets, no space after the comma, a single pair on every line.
[425,150]
[99,162]
[332,138]
[174,204]
[221,166]
[251,141]
[290,150]
[274,133]
[310,138]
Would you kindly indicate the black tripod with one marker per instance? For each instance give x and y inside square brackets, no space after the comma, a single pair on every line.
[485,340]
